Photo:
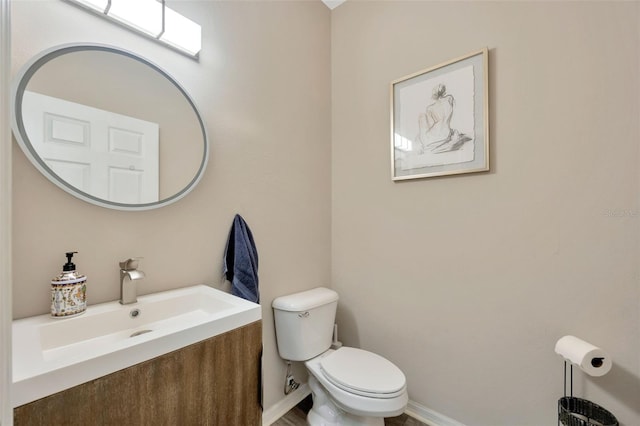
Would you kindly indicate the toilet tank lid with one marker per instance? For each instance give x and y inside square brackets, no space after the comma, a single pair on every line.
[305,300]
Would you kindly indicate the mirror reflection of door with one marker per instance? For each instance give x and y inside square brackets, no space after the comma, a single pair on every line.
[109,79]
[107,155]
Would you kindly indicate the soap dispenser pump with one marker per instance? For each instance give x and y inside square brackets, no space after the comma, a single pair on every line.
[68,291]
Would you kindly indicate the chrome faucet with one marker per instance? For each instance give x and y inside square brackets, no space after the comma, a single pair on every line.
[128,275]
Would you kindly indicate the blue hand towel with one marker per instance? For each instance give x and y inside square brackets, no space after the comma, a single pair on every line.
[241,261]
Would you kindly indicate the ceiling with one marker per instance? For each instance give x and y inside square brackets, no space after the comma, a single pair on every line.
[332,4]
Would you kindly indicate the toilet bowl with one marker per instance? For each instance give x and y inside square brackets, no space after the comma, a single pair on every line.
[350,386]
[358,383]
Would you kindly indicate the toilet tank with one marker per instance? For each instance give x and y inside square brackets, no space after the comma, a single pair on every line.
[304,323]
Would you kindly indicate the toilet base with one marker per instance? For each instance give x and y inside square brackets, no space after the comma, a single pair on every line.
[325,413]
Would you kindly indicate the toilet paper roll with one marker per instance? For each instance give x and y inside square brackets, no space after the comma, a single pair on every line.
[591,359]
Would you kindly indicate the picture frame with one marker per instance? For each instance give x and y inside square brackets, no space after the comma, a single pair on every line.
[440,119]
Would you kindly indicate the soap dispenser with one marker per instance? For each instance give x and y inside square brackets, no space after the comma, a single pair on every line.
[68,291]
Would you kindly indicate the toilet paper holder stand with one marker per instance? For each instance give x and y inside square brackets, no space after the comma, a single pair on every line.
[574,411]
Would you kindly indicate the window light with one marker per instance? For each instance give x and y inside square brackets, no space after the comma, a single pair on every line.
[143,15]
[181,32]
[99,5]
[152,18]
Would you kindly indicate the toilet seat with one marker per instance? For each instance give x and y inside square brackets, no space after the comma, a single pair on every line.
[363,373]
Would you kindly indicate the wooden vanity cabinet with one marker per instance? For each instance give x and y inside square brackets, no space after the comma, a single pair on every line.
[213,382]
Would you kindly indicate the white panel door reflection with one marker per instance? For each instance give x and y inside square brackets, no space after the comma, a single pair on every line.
[107,155]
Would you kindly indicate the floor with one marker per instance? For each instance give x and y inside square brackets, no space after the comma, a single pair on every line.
[297,416]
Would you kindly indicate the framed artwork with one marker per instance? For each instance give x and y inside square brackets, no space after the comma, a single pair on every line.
[440,119]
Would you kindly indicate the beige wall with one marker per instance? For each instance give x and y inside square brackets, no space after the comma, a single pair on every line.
[263,86]
[467,282]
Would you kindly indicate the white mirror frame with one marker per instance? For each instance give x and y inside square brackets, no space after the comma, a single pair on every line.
[17,90]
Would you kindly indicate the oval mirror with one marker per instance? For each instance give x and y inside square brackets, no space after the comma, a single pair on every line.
[109,127]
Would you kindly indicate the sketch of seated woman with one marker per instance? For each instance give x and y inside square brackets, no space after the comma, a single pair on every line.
[435,134]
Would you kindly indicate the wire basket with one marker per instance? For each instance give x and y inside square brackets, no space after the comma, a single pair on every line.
[581,412]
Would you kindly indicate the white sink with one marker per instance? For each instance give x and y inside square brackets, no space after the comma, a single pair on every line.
[53,354]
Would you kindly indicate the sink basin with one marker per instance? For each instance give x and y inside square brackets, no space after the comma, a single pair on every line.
[53,354]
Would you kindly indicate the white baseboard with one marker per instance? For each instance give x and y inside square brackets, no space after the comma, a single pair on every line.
[281,407]
[428,416]
[415,410]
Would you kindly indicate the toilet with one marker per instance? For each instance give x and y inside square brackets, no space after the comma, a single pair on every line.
[349,386]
